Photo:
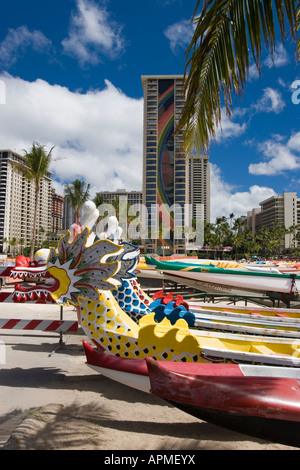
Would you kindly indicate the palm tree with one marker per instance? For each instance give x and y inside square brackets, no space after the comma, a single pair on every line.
[98,200]
[13,243]
[227,33]
[35,167]
[77,193]
[21,243]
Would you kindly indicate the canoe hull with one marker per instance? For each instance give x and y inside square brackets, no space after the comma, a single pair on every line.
[230,283]
[207,286]
[274,430]
[264,407]
[130,372]
[235,278]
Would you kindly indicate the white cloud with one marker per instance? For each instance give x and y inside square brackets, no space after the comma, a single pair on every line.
[271,101]
[226,200]
[228,128]
[180,34]
[253,72]
[98,136]
[280,57]
[92,34]
[18,41]
[280,157]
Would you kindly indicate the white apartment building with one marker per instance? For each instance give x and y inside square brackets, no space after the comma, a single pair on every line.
[132,197]
[198,176]
[17,198]
[129,205]
[283,208]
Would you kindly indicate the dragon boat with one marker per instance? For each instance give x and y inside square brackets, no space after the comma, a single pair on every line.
[245,280]
[267,407]
[136,303]
[92,276]
[271,323]
[85,276]
[134,372]
[36,280]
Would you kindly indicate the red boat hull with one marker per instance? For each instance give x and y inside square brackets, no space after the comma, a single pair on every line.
[138,367]
[264,407]
[134,372]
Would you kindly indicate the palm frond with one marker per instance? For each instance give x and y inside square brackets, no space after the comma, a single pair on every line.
[77,193]
[227,34]
[37,161]
[297,28]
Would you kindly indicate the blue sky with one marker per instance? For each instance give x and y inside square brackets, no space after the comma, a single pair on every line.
[72,71]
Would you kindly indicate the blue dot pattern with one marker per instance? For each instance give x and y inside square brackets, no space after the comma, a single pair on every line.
[129,301]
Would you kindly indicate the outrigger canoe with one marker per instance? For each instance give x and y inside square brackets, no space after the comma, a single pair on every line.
[267,407]
[243,279]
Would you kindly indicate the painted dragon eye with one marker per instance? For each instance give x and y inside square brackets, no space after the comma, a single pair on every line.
[65,281]
[66,278]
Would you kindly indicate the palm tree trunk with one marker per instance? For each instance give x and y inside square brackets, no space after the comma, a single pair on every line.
[37,190]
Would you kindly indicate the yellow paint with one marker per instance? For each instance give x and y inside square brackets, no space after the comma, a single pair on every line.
[91,316]
[64,282]
[100,321]
[110,313]
[100,309]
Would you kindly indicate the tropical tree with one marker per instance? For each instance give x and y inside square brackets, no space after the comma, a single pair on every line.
[13,243]
[98,200]
[35,167]
[222,230]
[227,34]
[21,243]
[78,193]
[237,242]
[292,231]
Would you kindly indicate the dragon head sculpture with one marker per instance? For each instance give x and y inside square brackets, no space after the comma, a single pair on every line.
[79,270]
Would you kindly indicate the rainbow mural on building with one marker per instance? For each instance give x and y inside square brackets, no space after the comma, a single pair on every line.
[165,158]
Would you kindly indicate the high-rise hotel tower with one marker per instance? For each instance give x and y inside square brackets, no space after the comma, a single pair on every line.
[17,199]
[167,173]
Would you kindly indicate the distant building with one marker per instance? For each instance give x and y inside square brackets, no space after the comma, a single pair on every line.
[170,179]
[17,199]
[253,219]
[69,215]
[283,208]
[132,197]
[57,211]
[128,205]
[198,179]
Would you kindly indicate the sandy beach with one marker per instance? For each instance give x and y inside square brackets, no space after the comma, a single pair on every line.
[51,400]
